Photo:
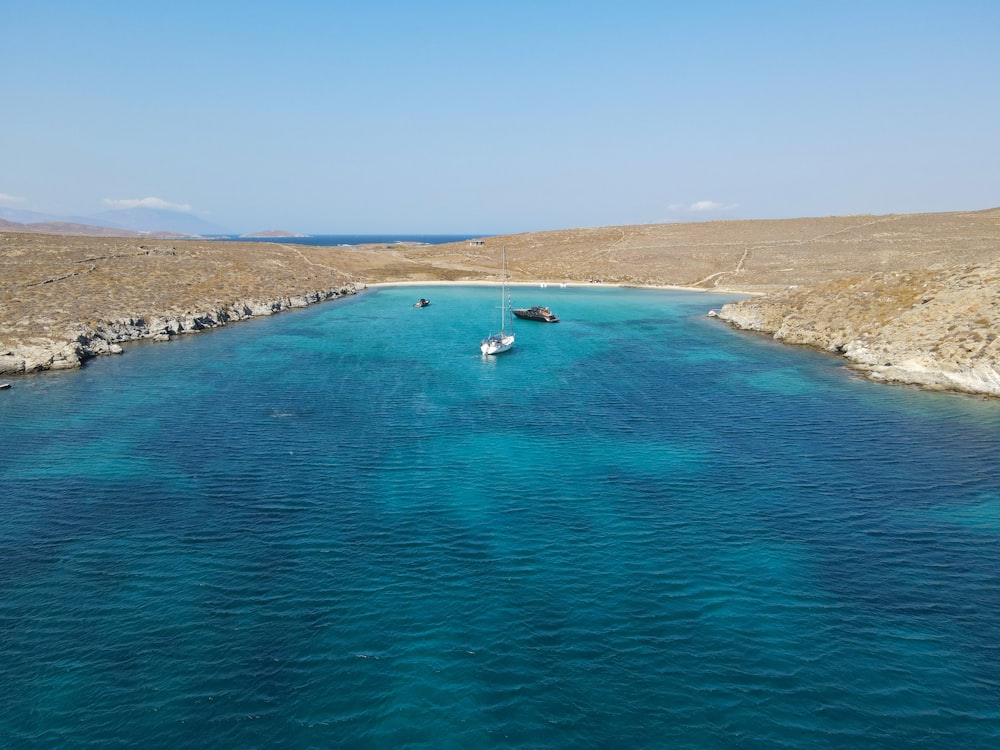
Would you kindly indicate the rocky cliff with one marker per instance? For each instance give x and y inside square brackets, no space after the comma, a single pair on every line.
[937,329]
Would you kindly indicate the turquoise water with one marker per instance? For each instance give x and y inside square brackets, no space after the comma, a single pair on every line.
[343,527]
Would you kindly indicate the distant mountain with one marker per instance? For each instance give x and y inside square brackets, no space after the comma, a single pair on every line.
[29,217]
[79,230]
[157,220]
[132,220]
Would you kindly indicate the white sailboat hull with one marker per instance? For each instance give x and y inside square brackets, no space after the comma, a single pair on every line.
[497,343]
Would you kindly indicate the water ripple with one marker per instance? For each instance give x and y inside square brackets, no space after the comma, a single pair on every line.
[598,541]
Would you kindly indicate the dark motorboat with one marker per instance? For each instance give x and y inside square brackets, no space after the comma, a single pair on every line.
[421,302]
[543,314]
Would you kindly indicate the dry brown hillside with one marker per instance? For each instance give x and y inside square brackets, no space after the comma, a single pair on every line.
[743,255]
[63,298]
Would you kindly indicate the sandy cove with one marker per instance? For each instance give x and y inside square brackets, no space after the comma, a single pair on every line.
[906,298]
[545,283]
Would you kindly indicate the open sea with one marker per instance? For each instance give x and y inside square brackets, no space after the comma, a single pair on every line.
[344,527]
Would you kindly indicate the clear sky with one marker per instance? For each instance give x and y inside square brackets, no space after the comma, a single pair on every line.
[385,116]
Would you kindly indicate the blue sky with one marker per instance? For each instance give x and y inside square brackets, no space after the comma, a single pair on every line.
[464,117]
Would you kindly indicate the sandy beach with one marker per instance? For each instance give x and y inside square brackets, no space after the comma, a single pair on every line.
[542,284]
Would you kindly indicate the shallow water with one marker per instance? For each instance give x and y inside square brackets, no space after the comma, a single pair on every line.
[342,526]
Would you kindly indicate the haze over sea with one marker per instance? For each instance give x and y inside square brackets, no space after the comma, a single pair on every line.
[344,527]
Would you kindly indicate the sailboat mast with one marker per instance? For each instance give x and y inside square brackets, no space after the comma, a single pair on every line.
[505,317]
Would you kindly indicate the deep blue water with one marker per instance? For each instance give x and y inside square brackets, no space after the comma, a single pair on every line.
[343,527]
[333,240]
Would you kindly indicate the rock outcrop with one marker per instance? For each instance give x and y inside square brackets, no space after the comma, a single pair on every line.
[106,337]
[937,329]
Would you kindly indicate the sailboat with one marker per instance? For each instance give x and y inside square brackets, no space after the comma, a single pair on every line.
[502,341]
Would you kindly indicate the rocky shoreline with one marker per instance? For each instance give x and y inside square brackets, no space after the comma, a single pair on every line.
[934,329]
[107,337]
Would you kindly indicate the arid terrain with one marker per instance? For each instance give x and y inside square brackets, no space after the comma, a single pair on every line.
[898,294]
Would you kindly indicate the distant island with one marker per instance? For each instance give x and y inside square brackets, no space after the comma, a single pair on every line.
[270,233]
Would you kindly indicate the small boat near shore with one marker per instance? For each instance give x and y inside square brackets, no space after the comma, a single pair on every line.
[537,312]
[4,386]
[421,302]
